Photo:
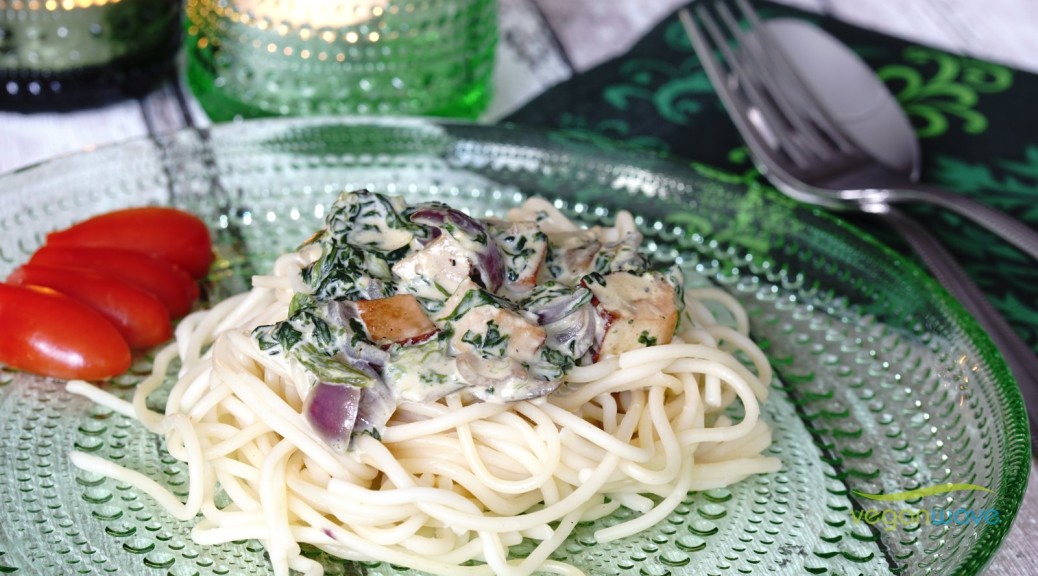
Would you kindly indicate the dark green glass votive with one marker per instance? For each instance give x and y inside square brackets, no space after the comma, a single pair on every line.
[249,58]
[66,54]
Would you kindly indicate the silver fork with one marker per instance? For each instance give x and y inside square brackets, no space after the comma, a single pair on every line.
[803,153]
[841,174]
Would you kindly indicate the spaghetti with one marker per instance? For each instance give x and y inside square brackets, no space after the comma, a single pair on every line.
[448,485]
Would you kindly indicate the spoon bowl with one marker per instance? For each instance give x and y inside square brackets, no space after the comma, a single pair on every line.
[881,165]
[851,95]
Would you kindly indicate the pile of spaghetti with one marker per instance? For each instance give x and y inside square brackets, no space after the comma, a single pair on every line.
[446,486]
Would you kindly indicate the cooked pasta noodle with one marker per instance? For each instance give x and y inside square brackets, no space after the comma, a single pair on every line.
[454,480]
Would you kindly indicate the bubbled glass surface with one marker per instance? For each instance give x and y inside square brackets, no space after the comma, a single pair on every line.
[883,383]
[62,54]
[249,58]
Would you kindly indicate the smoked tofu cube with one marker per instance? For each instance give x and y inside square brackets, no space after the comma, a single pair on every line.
[638,310]
[398,319]
[490,331]
[523,247]
[487,325]
[435,271]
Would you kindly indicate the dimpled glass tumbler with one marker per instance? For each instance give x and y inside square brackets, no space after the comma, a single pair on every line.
[69,54]
[250,58]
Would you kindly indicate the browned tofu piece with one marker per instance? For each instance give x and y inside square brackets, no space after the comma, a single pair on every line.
[523,247]
[442,265]
[638,310]
[397,319]
[516,337]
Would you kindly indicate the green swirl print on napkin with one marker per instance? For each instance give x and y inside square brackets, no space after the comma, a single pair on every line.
[974,119]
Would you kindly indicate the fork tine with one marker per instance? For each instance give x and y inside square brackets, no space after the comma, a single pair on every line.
[713,67]
[739,110]
[755,55]
[818,123]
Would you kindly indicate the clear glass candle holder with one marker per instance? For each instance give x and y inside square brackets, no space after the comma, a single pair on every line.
[66,54]
[250,58]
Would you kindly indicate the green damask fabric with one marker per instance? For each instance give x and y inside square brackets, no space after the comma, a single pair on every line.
[976,120]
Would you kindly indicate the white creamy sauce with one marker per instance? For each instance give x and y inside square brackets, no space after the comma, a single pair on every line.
[421,373]
[514,303]
[383,238]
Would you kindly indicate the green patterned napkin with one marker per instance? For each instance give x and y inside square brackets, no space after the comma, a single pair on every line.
[976,121]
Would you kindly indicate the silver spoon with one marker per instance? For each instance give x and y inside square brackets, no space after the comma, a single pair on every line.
[861,105]
[869,116]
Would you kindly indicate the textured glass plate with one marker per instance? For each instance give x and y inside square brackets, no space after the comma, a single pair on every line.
[883,385]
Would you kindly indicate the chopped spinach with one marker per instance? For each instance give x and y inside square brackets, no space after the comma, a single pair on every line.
[489,343]
[475,298]
[328,368]
[646,339]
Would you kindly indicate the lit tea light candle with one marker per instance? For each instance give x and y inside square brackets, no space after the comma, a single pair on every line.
[251,58]
[52,5]
[312,13]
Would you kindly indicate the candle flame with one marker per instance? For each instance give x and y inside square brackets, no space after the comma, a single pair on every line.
[54,5]
[301,13]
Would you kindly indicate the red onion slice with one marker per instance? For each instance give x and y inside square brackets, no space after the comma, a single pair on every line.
[331,410]
[488,261]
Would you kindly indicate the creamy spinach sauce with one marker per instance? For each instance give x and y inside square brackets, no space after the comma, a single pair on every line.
[409,303]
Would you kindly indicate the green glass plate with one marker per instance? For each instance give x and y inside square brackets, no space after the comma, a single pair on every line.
[883,383]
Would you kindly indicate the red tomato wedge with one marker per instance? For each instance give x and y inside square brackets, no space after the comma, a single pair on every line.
[51,334]
[170,284]
[173,235]
[138,315]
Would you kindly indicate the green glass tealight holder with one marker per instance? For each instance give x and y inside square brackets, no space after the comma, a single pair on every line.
[254,58]
[68,54]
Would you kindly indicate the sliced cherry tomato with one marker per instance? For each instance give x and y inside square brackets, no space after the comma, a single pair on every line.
[170,284]
[174,235]
[137,314]
[51,334]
